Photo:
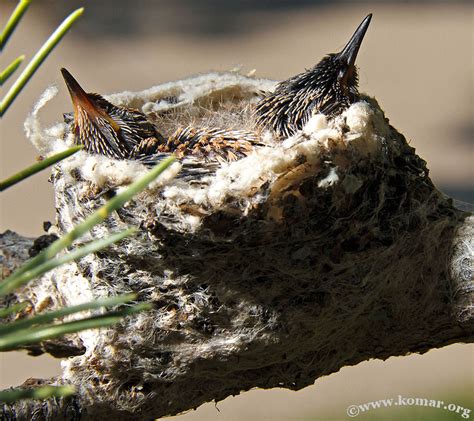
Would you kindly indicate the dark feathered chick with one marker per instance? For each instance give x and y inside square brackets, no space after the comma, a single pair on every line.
[328,88]
[125,133]
[107,129]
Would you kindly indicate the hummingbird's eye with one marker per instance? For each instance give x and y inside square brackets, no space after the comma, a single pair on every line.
[346,75]
[341,75]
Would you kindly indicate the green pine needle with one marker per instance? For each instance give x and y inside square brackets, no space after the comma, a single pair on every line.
[44,392]
[39,166]
[22,337]
[13,282]
[10,69]
[16,308]
[13,22]
[53,315]
[38,59]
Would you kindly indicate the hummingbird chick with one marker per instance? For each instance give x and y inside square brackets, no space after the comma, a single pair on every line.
[104,128]
[125,133]
[328,88]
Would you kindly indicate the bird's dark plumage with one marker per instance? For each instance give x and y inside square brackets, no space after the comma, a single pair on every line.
[106,129]
[125,133]
[328,88]
[211,144]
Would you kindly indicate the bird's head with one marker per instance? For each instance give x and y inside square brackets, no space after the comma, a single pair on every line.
[327,88]
[104,128]
[337,73]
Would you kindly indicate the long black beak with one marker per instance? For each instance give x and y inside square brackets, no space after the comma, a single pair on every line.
[349,53]
[81,99]
[78,95]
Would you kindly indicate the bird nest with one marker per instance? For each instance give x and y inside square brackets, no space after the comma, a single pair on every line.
[258,270]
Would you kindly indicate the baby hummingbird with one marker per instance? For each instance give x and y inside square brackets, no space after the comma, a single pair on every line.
[328,88]
[104,128]
[126,133]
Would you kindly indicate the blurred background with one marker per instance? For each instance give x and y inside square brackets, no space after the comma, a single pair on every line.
[416,59]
